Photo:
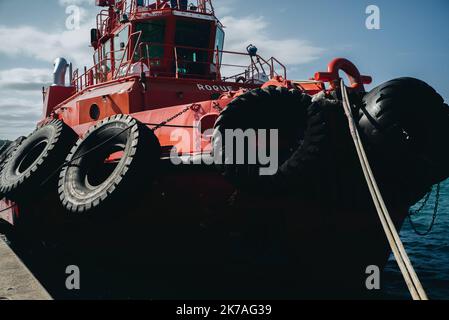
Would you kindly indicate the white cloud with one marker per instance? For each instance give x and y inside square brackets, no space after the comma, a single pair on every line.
[18,116]
[224,7]
[240,32]
[76,2]
[20,88]
[30,42]
[24,79]
[21,100]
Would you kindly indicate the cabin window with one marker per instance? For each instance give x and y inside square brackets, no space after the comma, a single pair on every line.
[96,57]
[195,34]
[151,40]
[120,44]
[219,43]
[193,46]
[106,56]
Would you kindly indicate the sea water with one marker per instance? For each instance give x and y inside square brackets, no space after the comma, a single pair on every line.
[429,254]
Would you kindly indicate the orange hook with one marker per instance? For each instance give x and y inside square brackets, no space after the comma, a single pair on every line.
[332,76]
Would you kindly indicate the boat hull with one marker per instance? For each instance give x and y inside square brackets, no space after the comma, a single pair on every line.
[194,236]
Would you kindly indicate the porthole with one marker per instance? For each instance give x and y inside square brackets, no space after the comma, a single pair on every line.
[94,112]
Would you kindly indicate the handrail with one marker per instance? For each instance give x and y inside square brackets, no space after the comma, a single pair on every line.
[90,76]
[199,6]
[254,71]
[107,20]
[252,68]
[176,62]
[102,24]
[129,61]
[284,68]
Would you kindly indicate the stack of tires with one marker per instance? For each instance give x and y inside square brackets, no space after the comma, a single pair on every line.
[301,129]
[53,160]
[404,124]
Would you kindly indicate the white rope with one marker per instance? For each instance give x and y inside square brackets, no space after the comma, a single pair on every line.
[406,267]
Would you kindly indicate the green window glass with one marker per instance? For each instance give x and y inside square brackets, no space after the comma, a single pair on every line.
[120,44]
[153,35]
[219,42]
[193,46]
[195,34]
[106,55]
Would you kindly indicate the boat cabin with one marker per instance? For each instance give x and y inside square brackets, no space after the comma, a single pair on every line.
[163,38]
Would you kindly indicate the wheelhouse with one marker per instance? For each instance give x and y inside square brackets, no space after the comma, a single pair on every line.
[174,41]
[170,39]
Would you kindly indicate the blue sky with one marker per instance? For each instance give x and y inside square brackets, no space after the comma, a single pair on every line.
[306,35]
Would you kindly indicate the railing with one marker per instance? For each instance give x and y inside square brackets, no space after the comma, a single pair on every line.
[260,70]
[107,68]
[95,75]
[179,62]
[103,21]
[222,65]
[127,63]
[131,7]
[107,19]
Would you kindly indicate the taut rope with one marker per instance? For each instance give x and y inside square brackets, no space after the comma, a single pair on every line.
[406,267]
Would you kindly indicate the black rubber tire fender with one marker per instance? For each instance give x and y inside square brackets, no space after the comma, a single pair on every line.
[8,149]
[303,164]
[6,152]
[407,117]
[301,126]
[81,189]
[3,148]
[36,160]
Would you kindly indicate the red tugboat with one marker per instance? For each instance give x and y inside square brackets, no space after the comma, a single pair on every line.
[137,145]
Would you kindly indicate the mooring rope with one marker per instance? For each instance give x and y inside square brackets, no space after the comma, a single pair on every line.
[411,278]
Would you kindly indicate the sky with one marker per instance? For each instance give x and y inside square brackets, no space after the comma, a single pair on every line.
[413,40]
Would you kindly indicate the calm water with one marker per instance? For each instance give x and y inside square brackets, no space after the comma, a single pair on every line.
[429,254]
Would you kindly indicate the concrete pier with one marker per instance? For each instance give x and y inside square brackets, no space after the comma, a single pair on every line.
[16,281]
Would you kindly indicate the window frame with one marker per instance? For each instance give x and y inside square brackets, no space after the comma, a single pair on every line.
[117,41]
[160,55]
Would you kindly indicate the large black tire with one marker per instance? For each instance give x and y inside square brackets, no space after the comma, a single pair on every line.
[88,183]
[302,131]
[4,146]
[405,124]
[6,151]
[36,160]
